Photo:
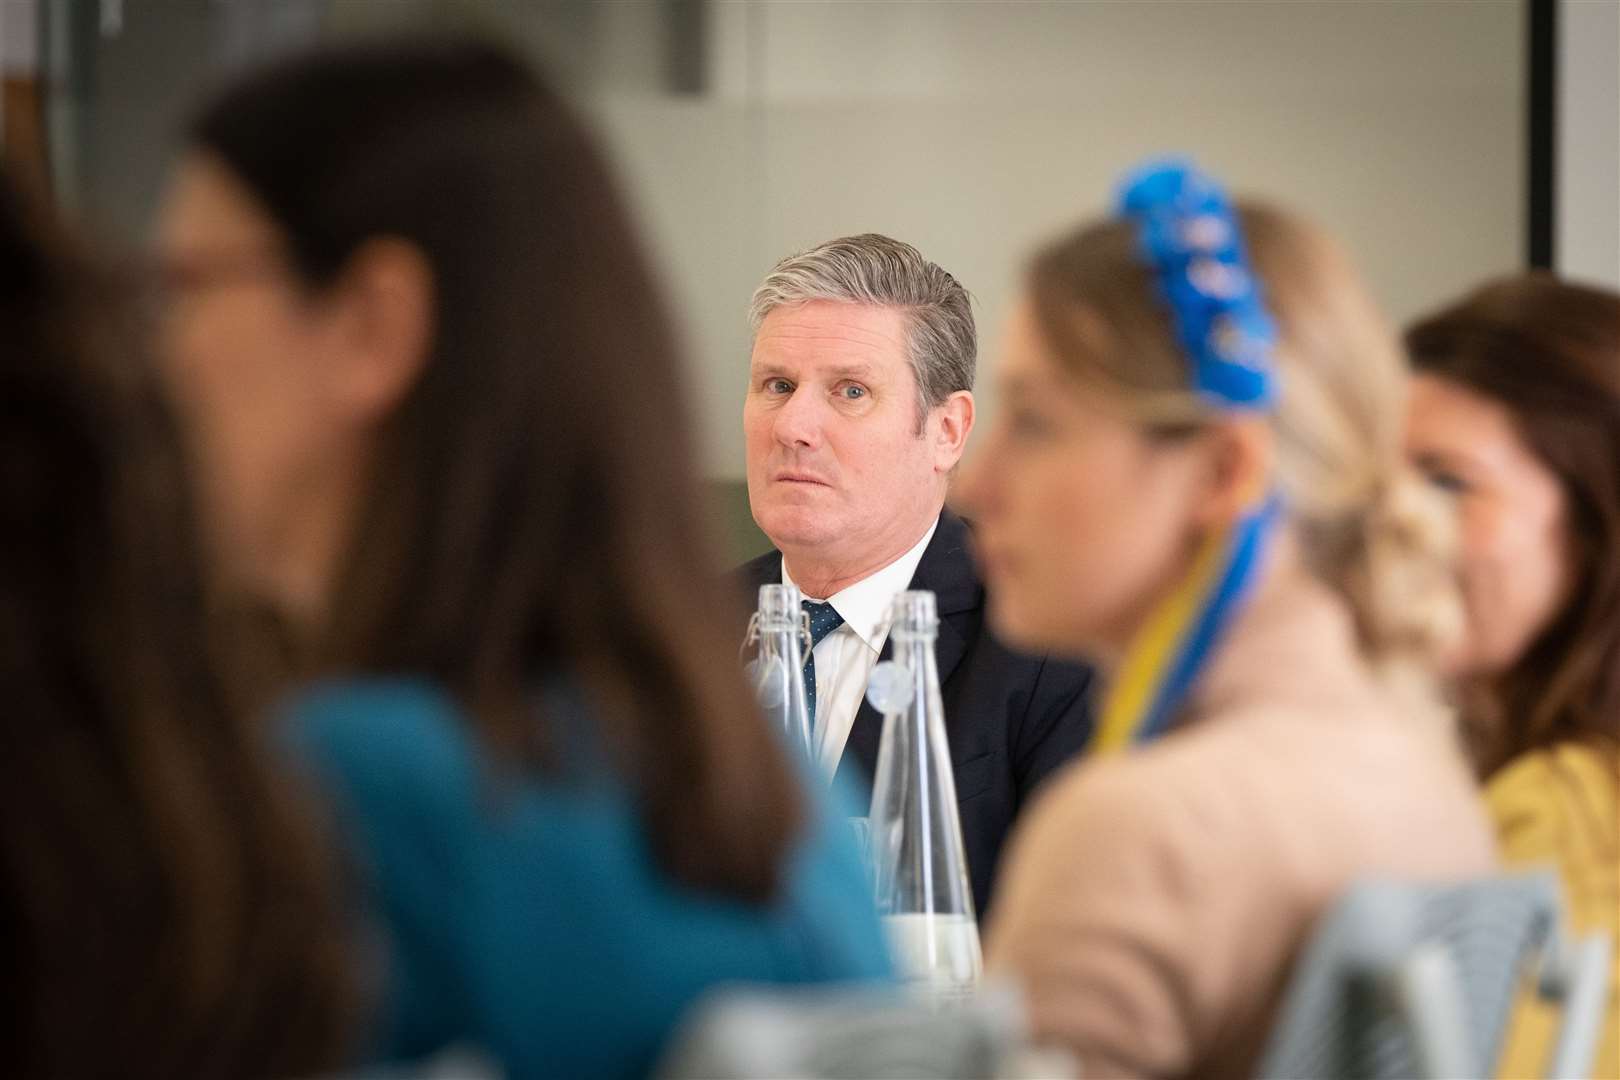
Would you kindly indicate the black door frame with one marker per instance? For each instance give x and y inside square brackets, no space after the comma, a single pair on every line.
[1542,142]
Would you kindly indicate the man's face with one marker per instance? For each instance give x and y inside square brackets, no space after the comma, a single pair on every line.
[837,469]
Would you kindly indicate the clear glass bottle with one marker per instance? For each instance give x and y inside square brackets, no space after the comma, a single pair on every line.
[782,631]
[919,868]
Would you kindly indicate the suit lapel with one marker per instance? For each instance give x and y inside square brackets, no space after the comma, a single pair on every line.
[946,570]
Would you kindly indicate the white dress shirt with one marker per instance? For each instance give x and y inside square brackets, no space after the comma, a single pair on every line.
[846,656]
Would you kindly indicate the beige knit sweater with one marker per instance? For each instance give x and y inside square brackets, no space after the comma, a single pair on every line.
[1151,903]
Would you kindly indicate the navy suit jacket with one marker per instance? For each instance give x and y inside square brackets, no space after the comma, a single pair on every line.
[1010,719]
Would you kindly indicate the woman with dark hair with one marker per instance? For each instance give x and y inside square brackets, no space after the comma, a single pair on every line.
[167,906]
[1516,414]
[432,387]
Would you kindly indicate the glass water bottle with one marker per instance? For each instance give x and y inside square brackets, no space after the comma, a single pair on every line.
[782,630]
[919,868]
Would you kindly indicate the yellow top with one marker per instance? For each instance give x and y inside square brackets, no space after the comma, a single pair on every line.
[1560,807]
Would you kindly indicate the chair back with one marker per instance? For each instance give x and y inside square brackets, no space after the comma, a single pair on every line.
[1419,980]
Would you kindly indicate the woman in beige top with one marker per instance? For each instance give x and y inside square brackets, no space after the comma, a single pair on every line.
[1197,482]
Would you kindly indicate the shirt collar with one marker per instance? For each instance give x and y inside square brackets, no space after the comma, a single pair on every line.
[865,605]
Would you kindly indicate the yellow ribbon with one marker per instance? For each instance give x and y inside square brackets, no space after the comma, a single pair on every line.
[1149,657]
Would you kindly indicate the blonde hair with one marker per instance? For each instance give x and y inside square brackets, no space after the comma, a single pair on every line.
[1367,527]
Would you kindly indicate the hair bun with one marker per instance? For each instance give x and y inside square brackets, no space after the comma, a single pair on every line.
[1403,577]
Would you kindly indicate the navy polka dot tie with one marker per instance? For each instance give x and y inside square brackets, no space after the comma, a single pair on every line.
[823,621]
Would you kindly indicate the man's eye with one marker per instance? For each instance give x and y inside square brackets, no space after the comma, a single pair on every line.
[778,386]
[853,393]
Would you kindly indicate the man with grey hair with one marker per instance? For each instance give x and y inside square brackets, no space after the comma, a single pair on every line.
[859,406]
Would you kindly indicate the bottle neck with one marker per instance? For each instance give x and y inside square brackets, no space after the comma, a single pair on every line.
[781,639]
[911,638]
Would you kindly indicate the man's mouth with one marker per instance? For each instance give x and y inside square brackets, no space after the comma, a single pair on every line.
[793,477]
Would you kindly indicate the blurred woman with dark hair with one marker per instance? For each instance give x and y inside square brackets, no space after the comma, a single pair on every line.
[1516,414]
[432,387]
[166,904]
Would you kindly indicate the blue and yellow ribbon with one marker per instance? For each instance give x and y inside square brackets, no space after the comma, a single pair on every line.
[1190,237]
[1170,651]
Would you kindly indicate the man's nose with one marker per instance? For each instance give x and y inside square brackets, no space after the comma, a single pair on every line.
[798,421]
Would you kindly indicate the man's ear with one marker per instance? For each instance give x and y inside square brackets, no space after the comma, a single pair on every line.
[383,321]
[1242,454]
[954,422]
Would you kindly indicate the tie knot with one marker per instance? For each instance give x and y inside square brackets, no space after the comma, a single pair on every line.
[823,620]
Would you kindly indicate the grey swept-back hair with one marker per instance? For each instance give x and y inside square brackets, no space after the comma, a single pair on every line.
[874,269]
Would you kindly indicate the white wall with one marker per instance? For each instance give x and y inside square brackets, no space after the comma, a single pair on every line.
[1586,242]
[975,129]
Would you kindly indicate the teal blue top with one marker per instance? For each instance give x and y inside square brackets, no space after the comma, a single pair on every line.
[533,921]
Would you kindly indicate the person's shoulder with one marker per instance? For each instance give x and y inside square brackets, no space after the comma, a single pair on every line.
[1535,794]
[380,739]
[1565,764]
[1128,803]
[355,711]
[1108,852]
[1207,794]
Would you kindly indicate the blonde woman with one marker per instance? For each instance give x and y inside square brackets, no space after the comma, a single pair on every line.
[1195,480]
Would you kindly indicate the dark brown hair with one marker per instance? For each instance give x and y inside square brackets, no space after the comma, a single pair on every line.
[165,903]
[533,513]
[1549,352]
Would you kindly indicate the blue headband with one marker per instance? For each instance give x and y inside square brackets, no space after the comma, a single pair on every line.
[1191,240]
